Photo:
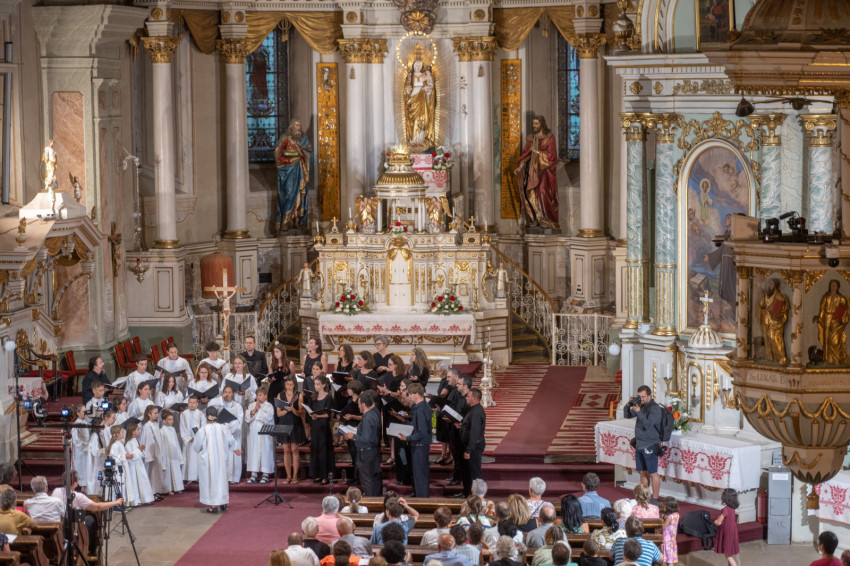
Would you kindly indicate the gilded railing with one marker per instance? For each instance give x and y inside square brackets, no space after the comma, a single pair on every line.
[580,339]
[280,310]
[528,300]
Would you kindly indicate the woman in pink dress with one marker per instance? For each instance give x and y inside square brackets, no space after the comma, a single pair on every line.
[644,509]
[670,549]
[726,542]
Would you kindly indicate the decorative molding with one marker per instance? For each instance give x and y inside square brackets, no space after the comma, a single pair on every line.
[327,157]
[667,122]
[362,50]
[812,278]
[771,122]
[706,86]
[511,139]
[819,128]
[635,88]
[161,48]
[480,48]
[233,50]
[587,45]
[634,126]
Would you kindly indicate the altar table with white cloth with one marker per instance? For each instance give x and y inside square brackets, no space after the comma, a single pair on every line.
[397,324]
[709,460]
[835,499]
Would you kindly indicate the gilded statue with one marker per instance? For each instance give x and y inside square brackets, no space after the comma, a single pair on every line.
[306,279]
[773,316]
[420,104]
[366,211]
[501,282]
[436,208]
[536,179]
[832,322]
[48,159]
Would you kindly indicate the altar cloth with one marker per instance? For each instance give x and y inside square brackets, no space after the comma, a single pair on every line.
[709,460]
[408,324]
[835,499]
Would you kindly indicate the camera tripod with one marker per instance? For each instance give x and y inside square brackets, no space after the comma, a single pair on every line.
[111,491]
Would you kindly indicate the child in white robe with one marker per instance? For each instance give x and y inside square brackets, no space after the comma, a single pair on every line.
[141,402]
[94,406]
[226,401]
[190,419]
[168,393]
[134,379]
[202,382]
[219,366]
[80,443]
[121,414]
[98,442]
[260,447]
[138,488]
[173,363]
[240,375]
[213,442]
[151,439]
[171,454]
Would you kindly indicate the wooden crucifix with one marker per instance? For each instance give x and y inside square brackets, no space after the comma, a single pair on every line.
[224,294]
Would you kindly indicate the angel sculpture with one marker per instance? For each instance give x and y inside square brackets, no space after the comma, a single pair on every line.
[436,207]
[367,211]
[78,188]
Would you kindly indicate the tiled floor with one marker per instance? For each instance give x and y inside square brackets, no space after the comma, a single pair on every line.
[757,554]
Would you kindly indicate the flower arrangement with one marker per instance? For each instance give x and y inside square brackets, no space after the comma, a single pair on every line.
[681,420]
[397,228]
[446,303]
[350,303]
[442,159]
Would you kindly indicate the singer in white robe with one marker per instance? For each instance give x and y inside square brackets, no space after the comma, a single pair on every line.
[80,443]
[166,400]
[151,439]
[174,366]
[234,461]
[260,447]
[133,381]
[240,375]
[190,419]
[138,485]
[221,367]
[172,456]
[213,443]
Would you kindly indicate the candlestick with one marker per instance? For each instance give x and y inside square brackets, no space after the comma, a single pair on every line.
[350,216]
[317,226]
[224,277]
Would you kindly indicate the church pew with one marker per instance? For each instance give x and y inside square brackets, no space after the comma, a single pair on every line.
[10,558]
[423,522]
[414,537]
[54,539]
[31,548]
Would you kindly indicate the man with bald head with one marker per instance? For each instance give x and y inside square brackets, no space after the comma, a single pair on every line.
[446,555]
[360,546]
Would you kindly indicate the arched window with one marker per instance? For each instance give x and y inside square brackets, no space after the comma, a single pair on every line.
[267,81]
[568,101]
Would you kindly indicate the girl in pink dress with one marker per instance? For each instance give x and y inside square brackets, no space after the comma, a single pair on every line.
[670,514]
[726,542]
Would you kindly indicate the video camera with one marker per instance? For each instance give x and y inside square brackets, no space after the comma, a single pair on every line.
[95,412]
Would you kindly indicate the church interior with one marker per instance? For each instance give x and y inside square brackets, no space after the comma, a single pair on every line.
[619,193]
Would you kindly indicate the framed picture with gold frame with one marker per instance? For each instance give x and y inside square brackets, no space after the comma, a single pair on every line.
[715,20]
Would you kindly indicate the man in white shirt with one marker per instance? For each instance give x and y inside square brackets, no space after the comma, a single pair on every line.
[442,518]
[81,501]
[298,555]
[43,507]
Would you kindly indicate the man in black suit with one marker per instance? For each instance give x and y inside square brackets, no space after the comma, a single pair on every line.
[367,440]
[95,373]
[472,436]
[420,440]
[457,401]
[257,365]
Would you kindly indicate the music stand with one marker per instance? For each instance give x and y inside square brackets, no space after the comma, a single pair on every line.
[275,431]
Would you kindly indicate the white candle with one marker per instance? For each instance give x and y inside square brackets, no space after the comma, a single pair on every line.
[317,226]
[669,370]
[350,216]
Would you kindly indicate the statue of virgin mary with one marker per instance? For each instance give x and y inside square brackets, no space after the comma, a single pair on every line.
[420,104]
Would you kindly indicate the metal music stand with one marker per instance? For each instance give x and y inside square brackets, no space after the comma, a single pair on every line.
[275,431]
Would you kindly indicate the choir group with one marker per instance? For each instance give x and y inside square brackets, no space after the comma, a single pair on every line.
[178,426]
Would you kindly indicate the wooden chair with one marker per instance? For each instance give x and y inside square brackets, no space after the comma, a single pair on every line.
[31,548]
[77,374]
[156,356]
[129,353]
[54,539]
[121,358]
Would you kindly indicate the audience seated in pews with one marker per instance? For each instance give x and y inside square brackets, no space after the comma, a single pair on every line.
[536,489]
[643,508]
[353,497]
[394,509]
[310,531]
[827,543]
[443,518]
[604,538]
[43,507]
[7,476]
[394,554]
[590,555]
[561,554]
[504,526]
[446,553]
[520,514]
[341,556]
[395,534]
[279,558]
[4,543]
[573,520]
[472,512]
[300,555]
[12,521]
[503,551]
[553,535]
[623,508]
[468,541]
[591,502]
[359,546]
[546,519]
[634,531]
[327,520]
[632,552]
[382,516]
[479,488]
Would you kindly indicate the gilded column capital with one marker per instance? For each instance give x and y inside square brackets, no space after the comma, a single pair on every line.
[480,48]
[819,128]
[743,271]
[666,124]
[842,97]
[587,44]
[771,123]
[233,49]
[363,50]
[634,126]
[161,48]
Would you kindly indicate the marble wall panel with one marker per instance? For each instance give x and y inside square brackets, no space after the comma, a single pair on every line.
[792,167]
[69,138]
[74,310]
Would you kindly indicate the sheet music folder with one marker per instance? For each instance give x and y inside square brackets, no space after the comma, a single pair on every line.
[276,430]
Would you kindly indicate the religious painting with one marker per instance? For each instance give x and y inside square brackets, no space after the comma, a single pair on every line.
[718,184]
[715,19]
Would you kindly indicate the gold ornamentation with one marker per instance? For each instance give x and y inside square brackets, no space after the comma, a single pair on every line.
[819,128]
[156,13]
[635,126]
[233,50]
[715,127]
[239,17]
[791,276]
[765,271]
[658,87]
[667,123]
[351,17]
[771,122]
[635,88]
[327,156]
[166,244]
[593,11]
[580,11]
[363,50]
[478,48]
[587,44]
[707,86]
[161,49]
[743,271]
[589,233]
[479,15]
[812,278]
[225,17]
[511,139]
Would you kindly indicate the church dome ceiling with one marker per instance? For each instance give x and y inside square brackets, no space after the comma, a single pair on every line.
[787,25]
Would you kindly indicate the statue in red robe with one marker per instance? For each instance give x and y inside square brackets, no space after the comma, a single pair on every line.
[536,176]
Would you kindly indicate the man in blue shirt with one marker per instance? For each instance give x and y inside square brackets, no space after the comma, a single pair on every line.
[634,530]
[446,555]
[592,503]
[393,511]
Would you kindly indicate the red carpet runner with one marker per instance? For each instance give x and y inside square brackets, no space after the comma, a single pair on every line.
[544,412]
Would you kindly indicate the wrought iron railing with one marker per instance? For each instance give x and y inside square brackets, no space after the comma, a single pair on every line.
[280,310]
[580,339]
[528,300]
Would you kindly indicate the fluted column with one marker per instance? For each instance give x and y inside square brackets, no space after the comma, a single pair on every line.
[819,129]
[636,252]
[378,108]
[743,312]
[666,232]
[771,163]
[233,52]
[478,53]
[590,164]
[161,49]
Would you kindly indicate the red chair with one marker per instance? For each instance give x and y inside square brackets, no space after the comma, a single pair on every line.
[137,345]
[155,352]
[121,358]
[128,351]
[76,381]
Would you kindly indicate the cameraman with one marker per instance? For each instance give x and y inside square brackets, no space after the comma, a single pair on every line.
[647,437]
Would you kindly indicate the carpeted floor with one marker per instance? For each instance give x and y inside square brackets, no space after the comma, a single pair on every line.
[575,438]
[516,386]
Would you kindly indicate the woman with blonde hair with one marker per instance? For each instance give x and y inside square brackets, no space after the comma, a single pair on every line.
[520,514]
[644,509]
[419,371]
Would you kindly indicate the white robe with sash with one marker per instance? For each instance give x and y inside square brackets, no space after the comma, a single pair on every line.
[189,420]
[213,443]
[260,453]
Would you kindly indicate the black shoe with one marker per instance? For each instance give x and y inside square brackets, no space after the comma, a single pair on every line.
[459,496]
[454,482]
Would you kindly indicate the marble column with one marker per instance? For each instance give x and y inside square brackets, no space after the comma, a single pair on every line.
[770,203]
[377,109]
[636,250]
[666,231]
[476,55]
[819,129]
[590,165]
[743,313]
[233,51]
[161,49]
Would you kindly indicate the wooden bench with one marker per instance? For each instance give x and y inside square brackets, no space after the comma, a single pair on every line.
[31,548]
[366,521]
[54,539]
[10,558]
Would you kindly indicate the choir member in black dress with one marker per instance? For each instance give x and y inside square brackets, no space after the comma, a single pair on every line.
[281,366]
[472,436]
[346,360]
[350,415]
[382,356]
[457,401]
[388,388]
[291,415]
[444,425]
[314,356]
[321,443]
[255,359]
[442,391]
[365,372]
[419,371]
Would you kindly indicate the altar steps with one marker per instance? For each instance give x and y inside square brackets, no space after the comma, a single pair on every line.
[526,345]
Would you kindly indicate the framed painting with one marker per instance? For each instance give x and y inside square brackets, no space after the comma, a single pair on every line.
[716,183]
[715,19]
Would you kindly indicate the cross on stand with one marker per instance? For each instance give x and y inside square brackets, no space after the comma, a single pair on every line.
[705,300]
[224,294]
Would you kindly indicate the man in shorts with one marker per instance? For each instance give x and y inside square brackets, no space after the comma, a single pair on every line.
[647,438]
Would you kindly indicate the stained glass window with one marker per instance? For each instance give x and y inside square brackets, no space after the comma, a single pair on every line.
[568,101]
[267,80]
